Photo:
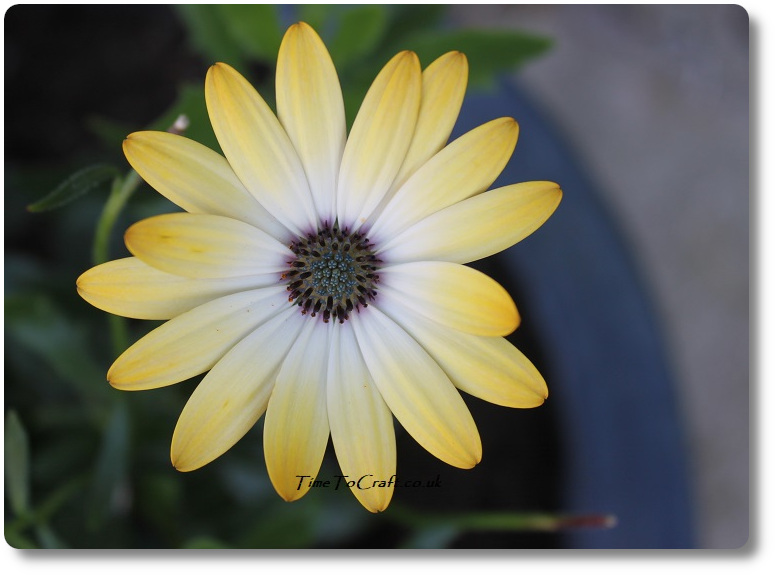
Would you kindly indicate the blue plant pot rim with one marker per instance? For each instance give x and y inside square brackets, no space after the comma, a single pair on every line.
[609,375]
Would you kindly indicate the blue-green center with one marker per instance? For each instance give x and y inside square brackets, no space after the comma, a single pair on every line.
[332,274]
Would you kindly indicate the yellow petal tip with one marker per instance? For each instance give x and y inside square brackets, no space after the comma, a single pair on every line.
[468,459]
[376,508]
[181,467]
[511,123]
[407,57]
[217,68]
[456,57]
[183,457]
[115,384]
[134,139]
[291,496]
[301,27]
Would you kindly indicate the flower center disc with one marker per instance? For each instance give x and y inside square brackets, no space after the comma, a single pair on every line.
[332,274]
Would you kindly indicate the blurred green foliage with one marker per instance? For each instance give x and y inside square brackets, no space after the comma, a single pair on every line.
[87,466]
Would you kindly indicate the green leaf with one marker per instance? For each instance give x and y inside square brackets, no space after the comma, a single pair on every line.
[359,33]
[80,183]
[111,469]
[406,19]
[210,34]
[17,464]
[255,27]
[489,52]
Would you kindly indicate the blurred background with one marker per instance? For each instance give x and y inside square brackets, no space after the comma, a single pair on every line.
[634,296]
[655,100]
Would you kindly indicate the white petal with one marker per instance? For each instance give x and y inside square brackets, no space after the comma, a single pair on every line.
[311,109]
[416,390]
[234,395]
[131,288]
[464,168]
[489,368]
[296,426]
[443,88]
[361,423]
[258,149]
[193,342]
[477,227]
[197,179]
[379,139]
[206,246]
[453,295]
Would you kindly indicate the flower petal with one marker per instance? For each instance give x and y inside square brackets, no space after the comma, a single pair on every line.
[443,87]
[416,390]
[486,367]
[205,246]
[131,288]
[193,342]
[296,426]
[311,109]
[379,139]
[258,149]
[234,395]
[477,227]
[361,423]
[464,168]
[453,295]
[197,179]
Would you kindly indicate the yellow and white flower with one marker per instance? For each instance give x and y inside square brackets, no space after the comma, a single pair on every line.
[319,278]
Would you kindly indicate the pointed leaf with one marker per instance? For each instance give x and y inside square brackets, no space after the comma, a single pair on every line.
[80,183]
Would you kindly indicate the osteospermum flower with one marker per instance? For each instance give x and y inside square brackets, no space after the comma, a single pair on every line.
[318,278]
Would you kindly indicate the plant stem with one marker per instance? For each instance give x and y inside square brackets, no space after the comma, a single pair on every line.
[503,521]
[120,192]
